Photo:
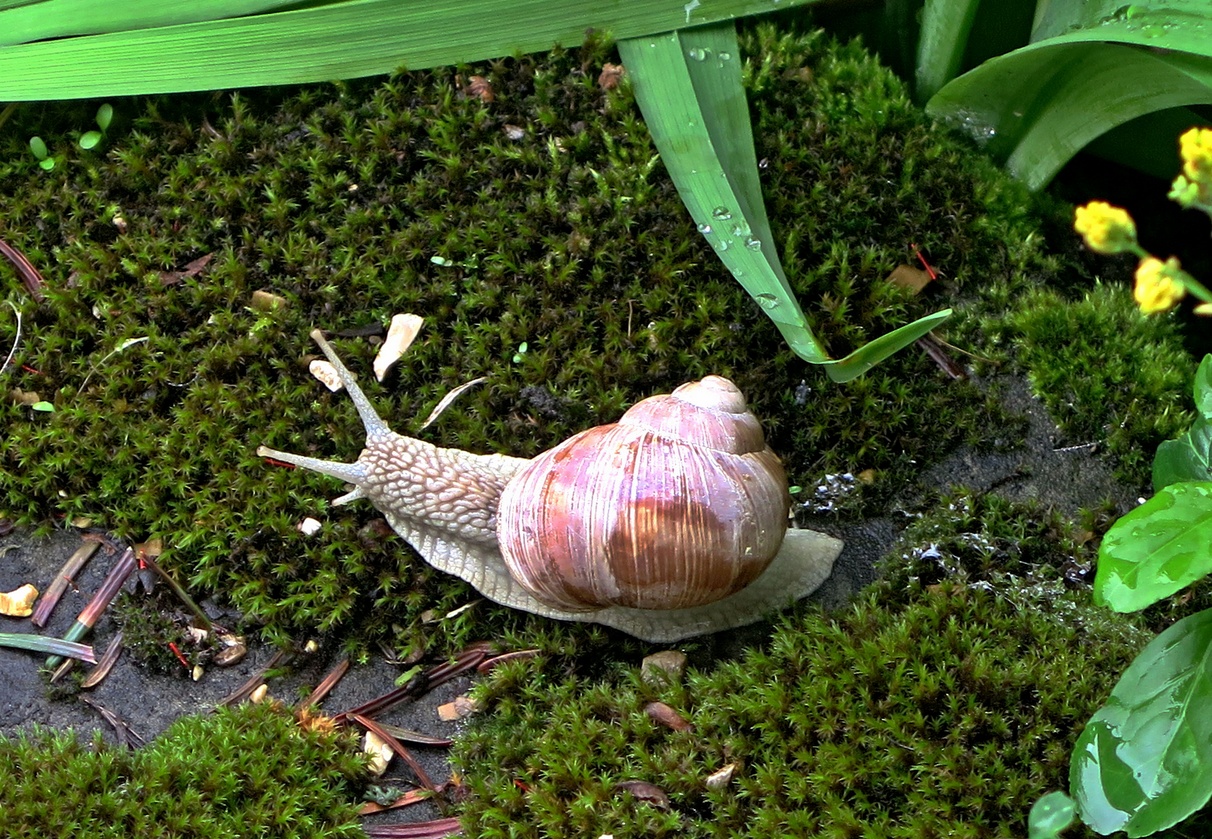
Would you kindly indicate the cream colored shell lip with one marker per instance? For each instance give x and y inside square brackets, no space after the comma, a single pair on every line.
[445,502]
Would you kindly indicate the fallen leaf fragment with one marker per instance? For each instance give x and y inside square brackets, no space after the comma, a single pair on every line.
[610,76]
[646,792]
[448,399]
[662,714]
[259,694]
[400,335]
[24,397]
[326,373]
[19,603]
[480,87]
[264,301]
[462,706]
[309,526]
[719,779]
[192,269]
[909,278]
[379,751]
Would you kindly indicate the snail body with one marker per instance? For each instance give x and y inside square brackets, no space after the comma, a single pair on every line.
[670,523]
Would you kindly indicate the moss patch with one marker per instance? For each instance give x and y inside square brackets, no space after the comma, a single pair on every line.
[253,771]
[1107,374]
[344,200]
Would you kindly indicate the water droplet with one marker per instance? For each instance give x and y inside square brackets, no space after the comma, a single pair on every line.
[698,54]
[721,213]
[753,244]
[767,301]
[723,244]
[725,56]
[704,229]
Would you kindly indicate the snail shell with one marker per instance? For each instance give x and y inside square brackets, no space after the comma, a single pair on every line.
[680,503]
[668,524]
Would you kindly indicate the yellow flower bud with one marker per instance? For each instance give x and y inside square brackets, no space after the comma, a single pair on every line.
[1158,287]
[1106,229]
[1195,147]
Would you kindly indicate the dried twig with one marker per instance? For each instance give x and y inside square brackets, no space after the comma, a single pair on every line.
[73,566]
[28,273]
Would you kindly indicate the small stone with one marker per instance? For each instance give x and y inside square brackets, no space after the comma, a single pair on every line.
[380,753]
[514,132]
[481,88]
[18,603]
[664,667]
[198,672]
[259,694]
[231,655]
[462,706]
[309,526]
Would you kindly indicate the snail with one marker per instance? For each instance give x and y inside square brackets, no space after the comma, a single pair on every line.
[670,523]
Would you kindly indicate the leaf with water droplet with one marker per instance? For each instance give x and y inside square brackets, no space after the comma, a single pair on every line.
[1157,549]
[721,214]
[1144,761]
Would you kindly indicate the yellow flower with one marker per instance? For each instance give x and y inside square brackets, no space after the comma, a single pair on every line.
[1106,229]
[1195,146]
[1158,288]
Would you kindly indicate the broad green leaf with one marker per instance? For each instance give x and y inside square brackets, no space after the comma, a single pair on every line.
[1144,761]
[940,51]
[688,86]
[44,406]
[336,40]
[1189,458]
[1157,549]
[105,115]
[38,146]
[89,139]
[1036,107]
[1050,815]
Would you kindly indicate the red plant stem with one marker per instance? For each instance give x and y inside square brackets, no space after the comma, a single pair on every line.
[29,274]
[50,598]
[330,681]
[118,575]
[436,829]
[418,684]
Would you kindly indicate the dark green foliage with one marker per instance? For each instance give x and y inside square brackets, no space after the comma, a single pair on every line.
[571,239]
[945,716]
[1107,373]
[251,771]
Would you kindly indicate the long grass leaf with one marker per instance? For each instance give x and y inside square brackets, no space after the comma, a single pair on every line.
[688,86]
[42,644]
[338,40]
[59,18]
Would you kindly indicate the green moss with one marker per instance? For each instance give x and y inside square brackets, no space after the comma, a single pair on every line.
[251,771]
[356,201]
[946,716]
[1107,373]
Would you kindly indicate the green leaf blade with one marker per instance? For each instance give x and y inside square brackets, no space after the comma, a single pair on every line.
[1157,549]
[335,40]
[1144,761]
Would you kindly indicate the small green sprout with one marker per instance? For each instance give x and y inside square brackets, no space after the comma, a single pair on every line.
[38,147]
[521,353]
[105,115]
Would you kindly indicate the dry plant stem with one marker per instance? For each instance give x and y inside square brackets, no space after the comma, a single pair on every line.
[938,354]
[125,734]
[118,575]
[329,682]
[407,735]
[66,575]
[255,679]
[517,655]
[413,796]
[399,749]
[104,664]
[28,273]
[420,683]
[16,340]
[181,593]
[435,829]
